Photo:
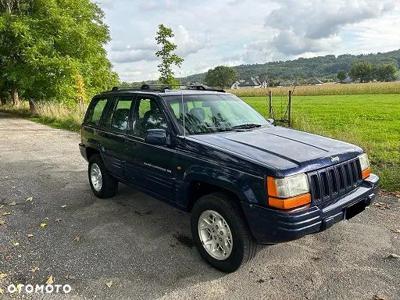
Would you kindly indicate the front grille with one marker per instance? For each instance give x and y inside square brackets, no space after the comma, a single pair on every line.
[330,183]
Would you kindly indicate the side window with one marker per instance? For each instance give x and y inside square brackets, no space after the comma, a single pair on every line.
[148,116]
[120,116]
[144,107]
[176,107]
[96,112]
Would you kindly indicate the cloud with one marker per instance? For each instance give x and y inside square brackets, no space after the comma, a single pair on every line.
[140,51]
[160,5]
[133,55]
[230,32]
[146,44]
[289,43]
[145,50]
[188,43]
[304,26]
[105,4]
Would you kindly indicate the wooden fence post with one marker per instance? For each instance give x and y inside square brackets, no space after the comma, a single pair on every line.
[270,104]
[290,109]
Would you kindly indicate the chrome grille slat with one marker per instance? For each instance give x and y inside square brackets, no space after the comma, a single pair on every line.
[330,183]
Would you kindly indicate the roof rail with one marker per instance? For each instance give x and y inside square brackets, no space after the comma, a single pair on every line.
[143,87]
[162,88]
[204,88]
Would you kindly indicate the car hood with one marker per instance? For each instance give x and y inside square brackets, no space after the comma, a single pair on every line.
[281,148]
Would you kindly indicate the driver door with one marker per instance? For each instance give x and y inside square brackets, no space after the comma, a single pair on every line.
[152,167]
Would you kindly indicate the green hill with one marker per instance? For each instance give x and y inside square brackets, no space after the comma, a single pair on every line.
[303,70]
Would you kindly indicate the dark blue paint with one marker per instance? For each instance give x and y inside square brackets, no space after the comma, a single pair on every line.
[237,162]
[284,226]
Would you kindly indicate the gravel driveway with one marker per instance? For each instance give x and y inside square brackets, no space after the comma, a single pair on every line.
[134,246]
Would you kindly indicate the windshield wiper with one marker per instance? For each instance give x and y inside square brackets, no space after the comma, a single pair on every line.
[246,126]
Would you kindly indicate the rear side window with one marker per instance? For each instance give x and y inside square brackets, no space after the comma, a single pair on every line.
[120,116]
[96,112]
[148,116]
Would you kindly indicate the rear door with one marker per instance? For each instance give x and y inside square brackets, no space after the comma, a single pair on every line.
[151,167]
[94,121]
[113,143]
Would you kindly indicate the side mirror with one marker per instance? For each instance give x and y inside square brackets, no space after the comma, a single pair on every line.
[271,121]
[156,137]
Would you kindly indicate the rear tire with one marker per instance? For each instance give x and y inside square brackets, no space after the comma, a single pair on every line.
[230,256]
[103,185]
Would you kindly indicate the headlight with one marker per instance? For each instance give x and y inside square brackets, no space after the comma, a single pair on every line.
[365,166]
[288,192]
[291,186]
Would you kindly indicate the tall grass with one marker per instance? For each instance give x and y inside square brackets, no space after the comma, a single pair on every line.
[325,89]
[56,115]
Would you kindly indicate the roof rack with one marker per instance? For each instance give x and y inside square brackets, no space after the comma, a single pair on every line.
[204,88]
[143,87]
[163,88]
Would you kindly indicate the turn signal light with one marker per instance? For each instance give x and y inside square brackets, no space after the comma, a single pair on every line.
[366,173]
[365,165]
[288,192]
[290,203]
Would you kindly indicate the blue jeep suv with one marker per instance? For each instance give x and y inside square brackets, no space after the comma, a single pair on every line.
[244,180]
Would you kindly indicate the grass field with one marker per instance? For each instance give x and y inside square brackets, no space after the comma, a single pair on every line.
[370,121]
[325,89]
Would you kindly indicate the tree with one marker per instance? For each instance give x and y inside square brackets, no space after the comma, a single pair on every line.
[54,50]
[4,95]
[361,70]
[167,55]
[12,33]
[221,77]
[385,72]
[341,75]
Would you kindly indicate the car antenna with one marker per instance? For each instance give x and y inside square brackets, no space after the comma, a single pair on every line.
[183,115]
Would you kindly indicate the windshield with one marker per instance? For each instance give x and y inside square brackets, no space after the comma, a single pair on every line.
[214,113]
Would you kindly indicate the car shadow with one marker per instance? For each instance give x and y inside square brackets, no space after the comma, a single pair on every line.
[140,246]
[141,239]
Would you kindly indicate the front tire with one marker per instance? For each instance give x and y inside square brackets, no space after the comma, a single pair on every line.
[103,185]
[220,232]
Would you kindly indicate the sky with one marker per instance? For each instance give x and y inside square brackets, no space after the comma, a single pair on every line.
[233,32]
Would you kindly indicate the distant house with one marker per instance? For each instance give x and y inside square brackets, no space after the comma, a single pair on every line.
[252,83]
[235,85]
[347,80]
[315,81]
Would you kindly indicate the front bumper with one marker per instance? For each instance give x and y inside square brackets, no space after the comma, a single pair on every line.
[270,226]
